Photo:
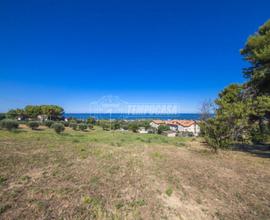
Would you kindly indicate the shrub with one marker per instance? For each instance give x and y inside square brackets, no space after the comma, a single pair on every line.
[33,124]
[73,126]
[2,116]
[163,128]
[133,126]
[9,124]
[105,126]
[58,127]
[48,123]
[82,127]
[66,123]
[91,121]
[90,126]
[216,134]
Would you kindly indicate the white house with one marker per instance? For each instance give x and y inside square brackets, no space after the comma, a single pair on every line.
[157,123]
[189,126]
[179,125]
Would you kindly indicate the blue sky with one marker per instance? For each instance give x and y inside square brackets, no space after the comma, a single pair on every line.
[71,53]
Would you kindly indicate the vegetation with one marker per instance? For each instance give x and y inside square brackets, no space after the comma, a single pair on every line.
[48,123]
[163,128]
[73,126]
[33,124]
[2,116]
[126,175]
[82,127]
[243,111]
[58,127]
[9,124]
[52,112]
[91,121]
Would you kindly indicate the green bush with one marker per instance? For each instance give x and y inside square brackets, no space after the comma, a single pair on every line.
[48,123]
[163,128]
[90,126]
[33,124]
[91,121]
[9,124]
[66,123]
[133,126]
[2,116]
[216,133]
[73,126]
[82,127]
[58,127]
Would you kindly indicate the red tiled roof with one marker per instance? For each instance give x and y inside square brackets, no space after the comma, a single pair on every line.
[159,122]
[184,123]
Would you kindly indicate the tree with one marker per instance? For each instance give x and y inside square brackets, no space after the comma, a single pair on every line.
[53,112]
[257,53]
[206,110]
[15,113]
[32,111]
[243,111]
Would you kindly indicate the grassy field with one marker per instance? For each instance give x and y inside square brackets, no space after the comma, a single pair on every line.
[122,175]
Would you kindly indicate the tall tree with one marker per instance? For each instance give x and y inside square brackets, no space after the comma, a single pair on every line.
[257,53]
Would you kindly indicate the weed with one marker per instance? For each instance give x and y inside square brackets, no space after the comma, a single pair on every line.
[76,141]
[137,203]
[180,144]
[2,180]
[25,178]
[4,207]
[157,155]
[119,205]
[169,191]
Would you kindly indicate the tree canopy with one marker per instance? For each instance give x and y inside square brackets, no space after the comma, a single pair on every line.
[243,110]
[52,112]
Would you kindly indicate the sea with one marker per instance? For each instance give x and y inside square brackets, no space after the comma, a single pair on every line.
[126,116]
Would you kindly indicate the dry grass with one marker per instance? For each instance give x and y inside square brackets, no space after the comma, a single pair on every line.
[104,175]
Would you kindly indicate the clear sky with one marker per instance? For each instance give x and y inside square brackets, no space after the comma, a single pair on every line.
[71,53]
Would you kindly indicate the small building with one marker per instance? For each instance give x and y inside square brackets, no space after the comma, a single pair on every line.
[157,123]
[188,126]
[178,125]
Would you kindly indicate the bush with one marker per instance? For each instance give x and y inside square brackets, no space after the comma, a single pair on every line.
[66,123]
[9,124]
[90,126]
[216,134]
[82,127]
[2,116]
[33,124]
[73,126]
[91,121]
[163,128]
[133,126]
[58,127]
[48,123]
